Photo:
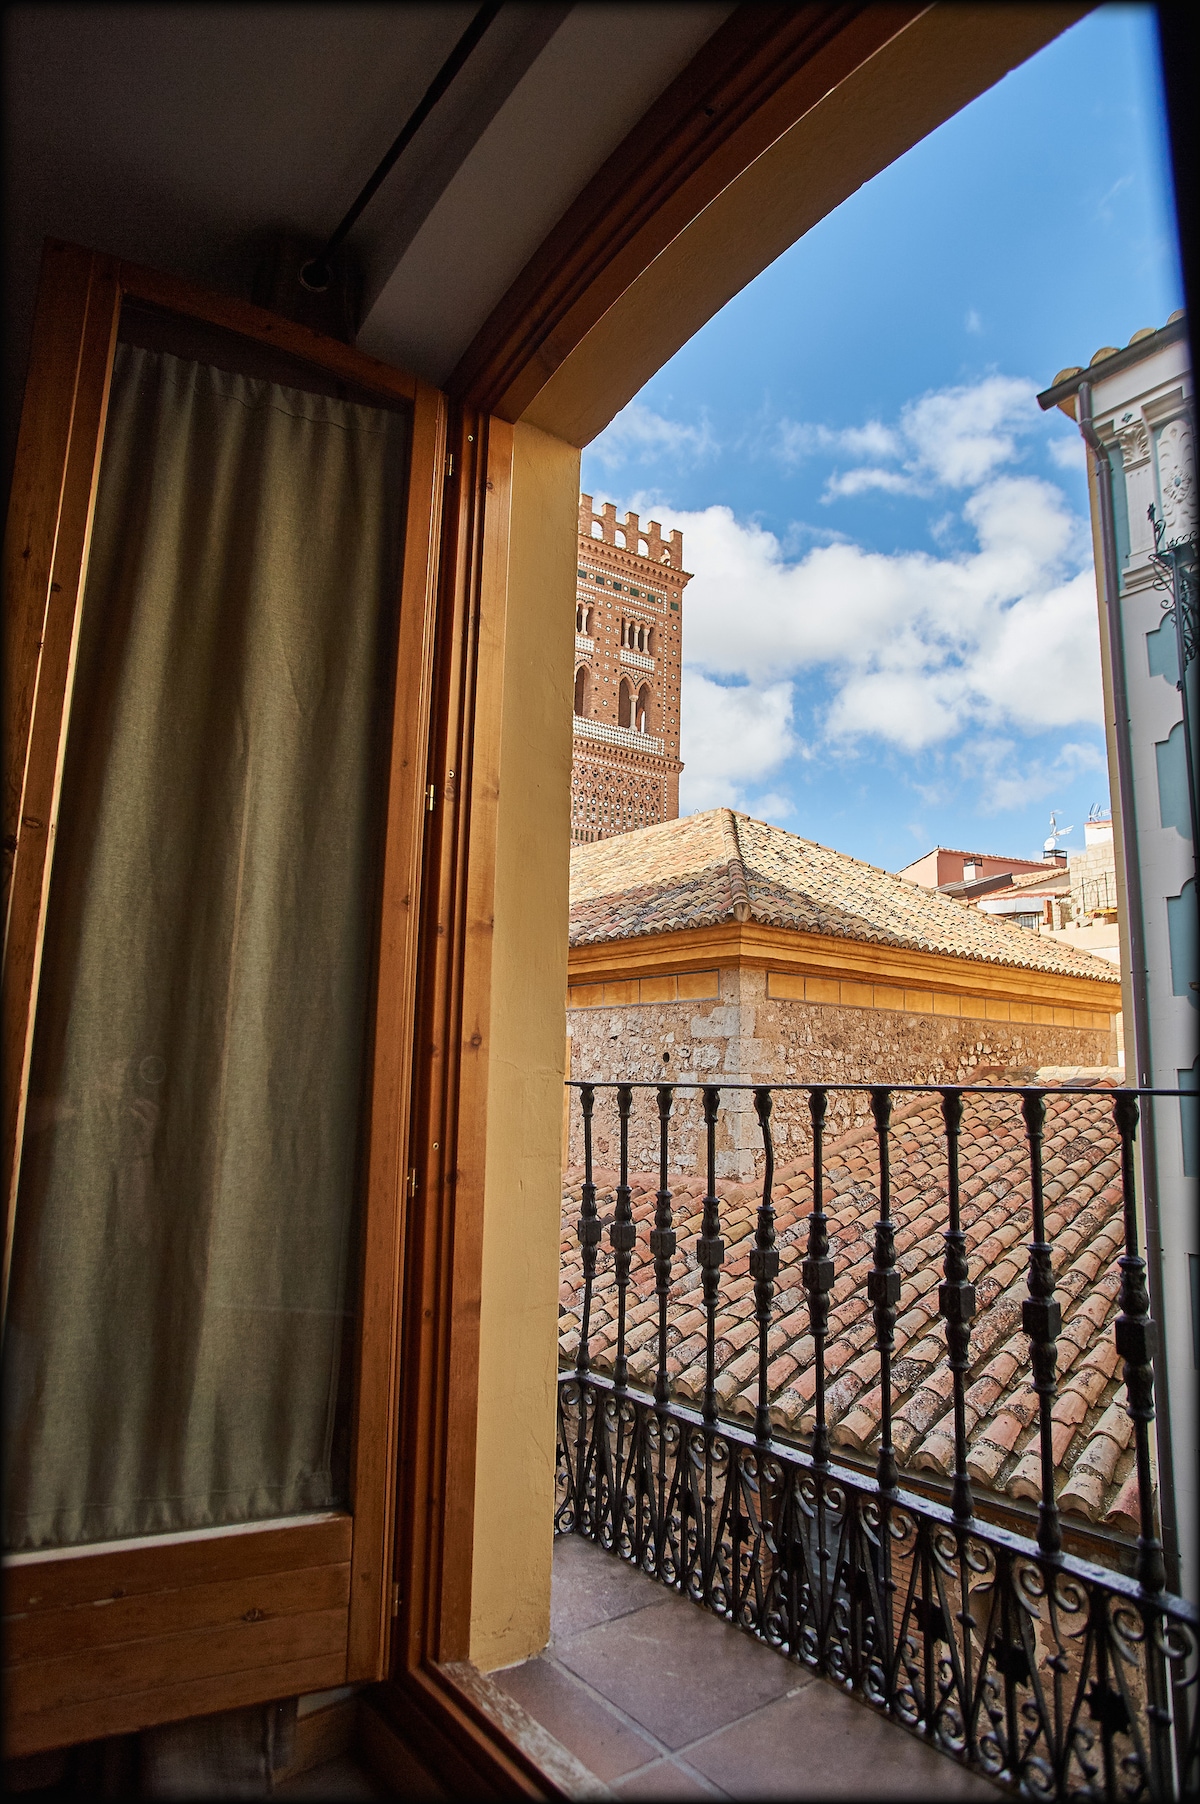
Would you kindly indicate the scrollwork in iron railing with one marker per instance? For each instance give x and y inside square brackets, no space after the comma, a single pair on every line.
[1053,1673]
[1175,573]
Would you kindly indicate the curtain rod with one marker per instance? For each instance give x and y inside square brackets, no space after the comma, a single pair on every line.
[316,274]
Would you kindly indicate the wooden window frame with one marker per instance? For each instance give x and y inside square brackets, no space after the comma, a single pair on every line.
[624,279]
[206,1621]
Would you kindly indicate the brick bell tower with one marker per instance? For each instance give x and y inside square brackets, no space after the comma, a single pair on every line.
[628,640]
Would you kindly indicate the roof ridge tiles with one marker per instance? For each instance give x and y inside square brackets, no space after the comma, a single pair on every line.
[694,871]
[735,870]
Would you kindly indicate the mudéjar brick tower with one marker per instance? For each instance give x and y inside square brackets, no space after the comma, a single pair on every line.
[628,640]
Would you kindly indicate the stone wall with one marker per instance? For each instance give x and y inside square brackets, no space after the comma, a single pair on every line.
[1094,879]
[742,1034]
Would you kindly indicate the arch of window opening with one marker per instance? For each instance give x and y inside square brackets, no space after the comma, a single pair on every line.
[597,530]
[642,714]
[625,704]
[583,684]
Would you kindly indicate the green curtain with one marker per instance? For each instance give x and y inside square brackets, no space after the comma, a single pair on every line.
[185,1225]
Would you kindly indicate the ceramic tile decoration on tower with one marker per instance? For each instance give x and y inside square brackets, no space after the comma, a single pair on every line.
[628,641]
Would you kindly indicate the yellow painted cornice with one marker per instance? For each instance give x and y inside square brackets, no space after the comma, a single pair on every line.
[761,947]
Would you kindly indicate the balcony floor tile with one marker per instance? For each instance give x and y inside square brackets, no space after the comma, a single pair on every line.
[596,1733]
[661,1700]
[676,1670]
[819,1743]
[590,1587]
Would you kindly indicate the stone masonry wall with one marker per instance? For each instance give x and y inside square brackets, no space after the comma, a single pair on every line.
[744,1035]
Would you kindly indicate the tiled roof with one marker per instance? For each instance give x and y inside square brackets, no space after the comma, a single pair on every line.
[958,852]
[1051,880]
[721,866]
[1092,1436]
[1111,350]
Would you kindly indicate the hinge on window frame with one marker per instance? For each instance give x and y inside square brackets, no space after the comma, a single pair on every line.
[431,798]
[396,1598]
[411,1185]
[449,465]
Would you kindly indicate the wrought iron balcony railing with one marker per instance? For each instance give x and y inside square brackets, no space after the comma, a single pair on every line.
[1058,1674]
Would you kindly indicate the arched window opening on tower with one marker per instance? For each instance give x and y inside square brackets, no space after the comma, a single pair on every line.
[642,716]
[582,689]
[625,704]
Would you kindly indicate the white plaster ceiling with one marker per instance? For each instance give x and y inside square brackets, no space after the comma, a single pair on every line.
[586,90]
[177,134]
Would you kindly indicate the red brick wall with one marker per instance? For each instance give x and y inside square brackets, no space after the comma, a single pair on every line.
[628,572]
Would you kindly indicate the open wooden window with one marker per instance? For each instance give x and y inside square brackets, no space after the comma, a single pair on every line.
[221,563]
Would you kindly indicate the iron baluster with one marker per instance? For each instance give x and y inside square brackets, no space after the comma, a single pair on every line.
[662,1250]
[662,1241]
[589,1227]
[710,1253]
[764,1262]
[956,1303]
[622,1234]
[817,1271]
[883,1287]
[1041,1318]
[1075,1678]
[1136,1338]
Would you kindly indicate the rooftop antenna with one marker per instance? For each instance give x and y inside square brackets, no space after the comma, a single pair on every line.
[1050,847]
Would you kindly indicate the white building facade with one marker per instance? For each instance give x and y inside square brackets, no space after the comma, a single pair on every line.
[1135,409]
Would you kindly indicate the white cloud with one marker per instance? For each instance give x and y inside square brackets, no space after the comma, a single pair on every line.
[639,435]
[960,435]
[990,636]
[732,735]
[973,323]
[771,807]
[801,438]
[1068,453]
[951,437]
[858,482]
[1104,208]
[914,648]
[1009,779]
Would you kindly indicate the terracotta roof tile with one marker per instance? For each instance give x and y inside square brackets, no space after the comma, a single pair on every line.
[684,873]
[1091,1428]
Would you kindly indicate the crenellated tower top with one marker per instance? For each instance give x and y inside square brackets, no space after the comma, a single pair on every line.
[630,534]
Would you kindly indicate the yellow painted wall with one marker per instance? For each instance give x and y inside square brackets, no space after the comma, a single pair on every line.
[518,1351]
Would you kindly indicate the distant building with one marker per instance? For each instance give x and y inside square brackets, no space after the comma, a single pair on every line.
[937,869]
[628,642]
[720,947]
[1094,876]
[1031,899]
[1135,411]
[1071,897]
[1092,915]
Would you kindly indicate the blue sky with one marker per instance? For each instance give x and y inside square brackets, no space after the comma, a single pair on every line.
[891,639]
